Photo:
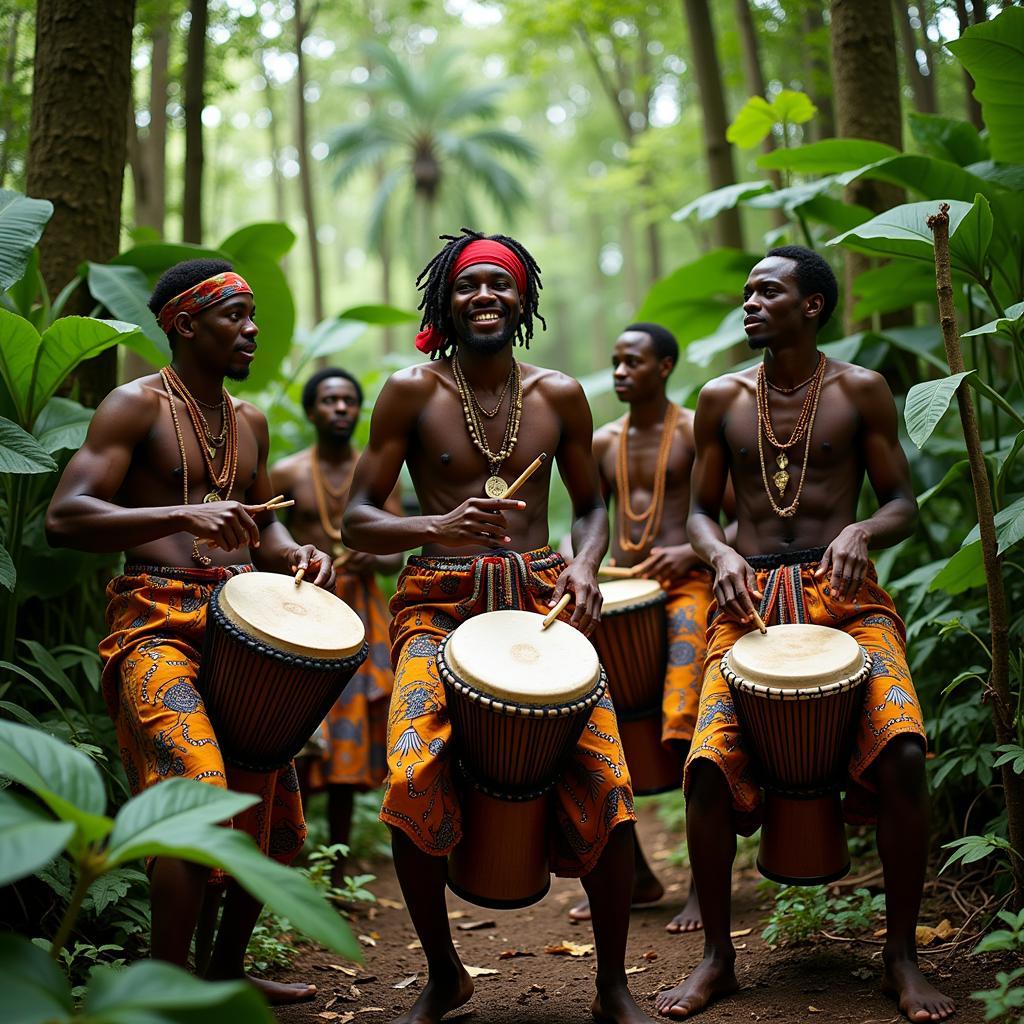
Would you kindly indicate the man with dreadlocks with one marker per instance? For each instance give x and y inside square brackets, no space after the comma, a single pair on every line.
[479,294]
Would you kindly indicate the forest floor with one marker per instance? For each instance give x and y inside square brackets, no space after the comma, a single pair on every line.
[828,980]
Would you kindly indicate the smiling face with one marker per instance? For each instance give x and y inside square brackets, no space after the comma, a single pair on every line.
[222,337]
[773,308]
[336,409]
[485,306]
[637,372]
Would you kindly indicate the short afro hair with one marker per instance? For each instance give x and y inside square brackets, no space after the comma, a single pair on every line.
[665,344]
[180,278]
[813,277]
[309,389]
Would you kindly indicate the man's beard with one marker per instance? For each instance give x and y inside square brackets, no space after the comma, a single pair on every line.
[488,344]
[757,344]
[240,374]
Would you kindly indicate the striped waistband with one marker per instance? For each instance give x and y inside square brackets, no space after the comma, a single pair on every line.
[186,574]
[782,559]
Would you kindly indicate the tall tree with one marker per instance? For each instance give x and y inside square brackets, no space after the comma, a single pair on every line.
[867,94]
[972,106]
[817,72]
[8,90]
[77,147]
[923,85]
[722,171]
[195,101]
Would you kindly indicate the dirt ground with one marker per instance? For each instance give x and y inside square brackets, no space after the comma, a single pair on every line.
[828,981]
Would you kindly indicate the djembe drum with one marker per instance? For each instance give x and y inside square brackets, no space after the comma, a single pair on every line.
[519,697]
[276,656]
[797,691]
[632,643]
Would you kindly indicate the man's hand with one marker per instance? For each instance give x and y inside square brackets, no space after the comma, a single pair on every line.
[228,524]
[476,521]
[666,565]
[847,557]
[581,581]
[309,557]
[735,585]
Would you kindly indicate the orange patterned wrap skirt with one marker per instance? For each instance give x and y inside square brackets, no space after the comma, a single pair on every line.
[793,594]
[593,794]
[157,618]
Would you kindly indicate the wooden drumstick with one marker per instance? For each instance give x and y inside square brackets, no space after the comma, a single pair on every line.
[758,621]
[525,475]
[270,506]
[556,611]
[299,575]
[617,572]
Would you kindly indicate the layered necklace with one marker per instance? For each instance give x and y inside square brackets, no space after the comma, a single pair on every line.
[322,489]
[223,482]
[804,428]
[475,414]
[650,518]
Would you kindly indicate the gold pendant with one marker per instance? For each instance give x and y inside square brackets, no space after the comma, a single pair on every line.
[782,460]
[495,487]
[212,451]
[781,479]
[212,496]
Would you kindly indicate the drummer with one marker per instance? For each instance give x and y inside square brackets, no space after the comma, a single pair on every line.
[482,554]
[349,753]
[170,462]
[799,433]
[647,455]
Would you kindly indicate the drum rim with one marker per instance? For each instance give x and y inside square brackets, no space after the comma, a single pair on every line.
[660,598]
[801,692]
[261,645]
[584,703]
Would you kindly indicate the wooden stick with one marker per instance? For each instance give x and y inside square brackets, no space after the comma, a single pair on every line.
[617,572]
[299,575]
[275,505]
[525,475]
[758,621]
[556,611]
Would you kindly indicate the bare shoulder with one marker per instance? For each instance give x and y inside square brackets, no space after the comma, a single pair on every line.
[859,383]
[607,435]
[291,465]
[720,391]
[684,425]
[415,384]
[554,385]
[134,406]
[248,413]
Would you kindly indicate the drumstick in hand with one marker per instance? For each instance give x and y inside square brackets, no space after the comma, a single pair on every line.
[269,506]
[758,621]
[556,611]
[617,572]
[525,475]
[299,575]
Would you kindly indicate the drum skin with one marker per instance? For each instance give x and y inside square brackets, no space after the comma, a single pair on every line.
[265,703]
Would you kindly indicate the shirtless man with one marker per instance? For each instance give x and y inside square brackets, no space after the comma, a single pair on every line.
[643,358]
[354,734]
[479,294]
[144,483]
[798,466]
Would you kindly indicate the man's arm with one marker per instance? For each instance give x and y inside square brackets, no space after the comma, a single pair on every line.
[368,525]
[889,473]
[579,473]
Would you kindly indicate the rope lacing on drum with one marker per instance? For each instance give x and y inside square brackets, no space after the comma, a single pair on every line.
[784,593]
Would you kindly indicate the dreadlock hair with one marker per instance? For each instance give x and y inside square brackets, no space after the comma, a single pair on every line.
[180,278]
[663,341]
[310,388]
[813,277]
[436,301]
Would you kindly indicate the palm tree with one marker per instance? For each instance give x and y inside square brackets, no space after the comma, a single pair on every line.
[432,141]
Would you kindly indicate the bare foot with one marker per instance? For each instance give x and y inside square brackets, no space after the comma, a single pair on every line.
[646,890]
[278,993]
[712,978]
[688,919]
[918,999]
[438,997]
[614,1005]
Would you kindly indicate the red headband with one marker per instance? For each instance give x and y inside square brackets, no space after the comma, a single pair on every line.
[480,250]
[198,297]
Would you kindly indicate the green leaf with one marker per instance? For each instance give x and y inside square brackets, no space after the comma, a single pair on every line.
[62,425]
[18,343]
[153,992]
[711,204]
[62,777]
[270,239]
[124,291]
[891,287]
[1001,325]
[928,176]
[20,452]
[969,243]
[948,138]
[167,808]
[21,225]
[1009,524]
[154,258]
[956,472]
[728,334]
[993,53]
[963,571]
[757,117]
[29,838]
[830,156]
[8,572]
[384,316]
[34,988]
[927,402]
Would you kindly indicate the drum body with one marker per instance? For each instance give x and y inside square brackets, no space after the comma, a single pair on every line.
[632,643]
[275,658]
[797,692]
[518,698]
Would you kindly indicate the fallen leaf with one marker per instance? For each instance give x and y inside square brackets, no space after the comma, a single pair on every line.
[406,982]
[473,926]
[926,935]
[338,967]
[571,949]
[387,904]
[371,1009]
[536,988]
[367,940]
[415,944]
[456,915]
[327,1015]
[351,995]
[650,956]
[330,1002]
[476,972]
[739,934]
[511,954]
[635,970]
[814,1009]
[345,1018]
[374,935]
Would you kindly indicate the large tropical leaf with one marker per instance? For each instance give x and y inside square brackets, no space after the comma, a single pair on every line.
[993,53]
[830,156]
[34,987]
[21,452]
[926,404]
[380,315]
[8,572]
[947,138]
[711,204]
[928,176]
[965,570]
[124,292]
[62,425]
[21,224]
[153,258]
[897,285]
[729,333]
[270,239]
[1001,325]
[1009,524]
[29,838]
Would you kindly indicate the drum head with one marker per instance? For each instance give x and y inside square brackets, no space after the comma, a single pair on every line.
[509,657]
[299,619]
[619,594]
[796,656]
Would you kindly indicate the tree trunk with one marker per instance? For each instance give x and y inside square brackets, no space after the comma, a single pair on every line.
[972,106]
[867,93]
[816,70]
[152,213]
[599,286]
[629,266]
[10,70]
[77,148]
[384,251]
[728,229]
[280,208]
[305,170]
[195,100]
[922,85]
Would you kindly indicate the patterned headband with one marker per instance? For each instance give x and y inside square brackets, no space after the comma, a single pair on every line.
[198,297]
